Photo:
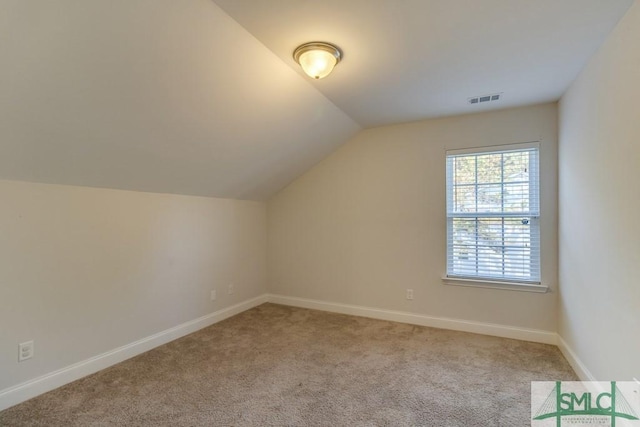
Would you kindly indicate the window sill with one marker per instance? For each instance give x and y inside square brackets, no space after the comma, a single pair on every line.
[490,284]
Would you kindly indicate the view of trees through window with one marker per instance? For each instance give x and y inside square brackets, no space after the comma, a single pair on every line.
[493,215]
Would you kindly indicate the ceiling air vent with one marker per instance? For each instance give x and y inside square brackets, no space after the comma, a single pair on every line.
[484,98]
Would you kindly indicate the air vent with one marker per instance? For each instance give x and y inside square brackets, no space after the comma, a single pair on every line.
[485,98]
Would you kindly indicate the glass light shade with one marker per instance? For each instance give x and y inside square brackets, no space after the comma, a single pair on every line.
[317,59]
[317,63]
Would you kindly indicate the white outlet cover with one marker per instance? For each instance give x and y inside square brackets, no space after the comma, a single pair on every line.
[25,351]
[213,295]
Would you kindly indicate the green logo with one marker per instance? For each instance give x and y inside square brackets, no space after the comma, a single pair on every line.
[587,406]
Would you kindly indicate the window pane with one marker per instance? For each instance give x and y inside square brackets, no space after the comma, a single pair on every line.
[516,197]
[465,199]
[465,169]
[464,232]
[516,167]
[489,198]
[490,168]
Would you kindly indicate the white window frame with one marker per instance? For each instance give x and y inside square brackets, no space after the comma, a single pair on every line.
[534,177]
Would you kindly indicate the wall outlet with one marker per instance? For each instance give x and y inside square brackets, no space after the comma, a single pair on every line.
[409,293]
[25,351]
[231,288]
[213,295]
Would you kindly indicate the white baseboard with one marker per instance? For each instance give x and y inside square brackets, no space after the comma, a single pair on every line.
[578,366]
[523,334]
[27,390]
[21,392]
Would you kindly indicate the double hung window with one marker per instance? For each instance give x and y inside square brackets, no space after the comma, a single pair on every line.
[493,214]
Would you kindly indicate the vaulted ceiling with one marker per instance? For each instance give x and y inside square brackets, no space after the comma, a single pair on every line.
[153,95]
[185,97]
[408,60]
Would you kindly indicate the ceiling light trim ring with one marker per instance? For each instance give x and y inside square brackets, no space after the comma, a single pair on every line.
[327,47]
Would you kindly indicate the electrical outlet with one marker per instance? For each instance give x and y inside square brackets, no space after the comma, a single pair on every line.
[213,295]
[409,293]
[231,289]
[25,351]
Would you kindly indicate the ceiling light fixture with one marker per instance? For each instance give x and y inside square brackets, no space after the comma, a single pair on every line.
[317,59]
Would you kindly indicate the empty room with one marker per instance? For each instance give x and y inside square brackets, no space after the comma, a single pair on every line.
[319,213]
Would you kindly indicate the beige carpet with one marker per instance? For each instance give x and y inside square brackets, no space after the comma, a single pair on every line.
[283,366]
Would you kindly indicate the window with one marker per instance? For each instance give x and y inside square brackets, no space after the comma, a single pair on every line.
[493,214]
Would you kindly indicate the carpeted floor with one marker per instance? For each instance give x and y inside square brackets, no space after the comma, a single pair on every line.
[283,366]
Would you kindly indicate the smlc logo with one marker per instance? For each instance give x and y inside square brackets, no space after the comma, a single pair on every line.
[585,403]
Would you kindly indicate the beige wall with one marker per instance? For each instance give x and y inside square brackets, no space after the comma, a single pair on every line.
[599,188]
[85,270]
[369,221]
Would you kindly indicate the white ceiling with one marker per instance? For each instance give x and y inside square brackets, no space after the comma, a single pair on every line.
[407,60]
[153,95]
[176,96]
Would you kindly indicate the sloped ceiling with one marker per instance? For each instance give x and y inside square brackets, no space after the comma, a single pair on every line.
[176,96]
[409,60]
[153,95]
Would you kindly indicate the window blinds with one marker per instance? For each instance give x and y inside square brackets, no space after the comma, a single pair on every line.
[493,215]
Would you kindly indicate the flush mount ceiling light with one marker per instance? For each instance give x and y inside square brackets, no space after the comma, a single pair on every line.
[317,59]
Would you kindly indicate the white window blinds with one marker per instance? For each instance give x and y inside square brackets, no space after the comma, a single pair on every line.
[493,214]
